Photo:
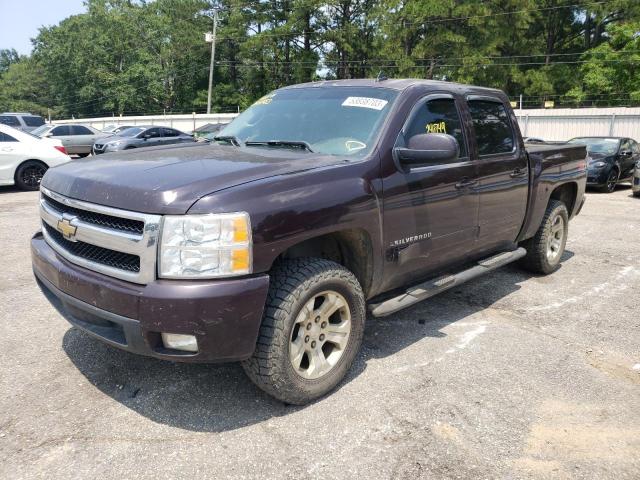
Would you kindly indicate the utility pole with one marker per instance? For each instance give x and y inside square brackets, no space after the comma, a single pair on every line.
[212,39]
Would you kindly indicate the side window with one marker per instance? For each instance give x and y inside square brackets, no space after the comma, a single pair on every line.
[437,116]
[33,121]
[61,130]
[625,145]
[169,132]
[6,138]
[80,130]
[151,133]
[635,147]
[492,126]
[10,120]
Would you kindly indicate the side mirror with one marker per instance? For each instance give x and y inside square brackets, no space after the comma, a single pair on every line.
[626,153]
[428,148]
[49,134]
[146,136]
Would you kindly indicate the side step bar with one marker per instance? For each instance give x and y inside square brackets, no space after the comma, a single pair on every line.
[432,287]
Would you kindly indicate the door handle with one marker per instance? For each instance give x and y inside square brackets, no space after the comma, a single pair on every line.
[464,183]
[518,172]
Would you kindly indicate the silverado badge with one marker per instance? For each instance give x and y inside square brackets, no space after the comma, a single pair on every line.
[67,230]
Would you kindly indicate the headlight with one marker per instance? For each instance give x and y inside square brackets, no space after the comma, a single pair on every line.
[205,246]
[597,164]
[113,144]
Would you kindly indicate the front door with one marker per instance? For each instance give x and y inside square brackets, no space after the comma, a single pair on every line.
[430,211]
[503,173]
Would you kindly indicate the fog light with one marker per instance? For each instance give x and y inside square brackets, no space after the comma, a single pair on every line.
[177,341]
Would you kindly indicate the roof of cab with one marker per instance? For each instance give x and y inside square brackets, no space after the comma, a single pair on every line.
[398,84]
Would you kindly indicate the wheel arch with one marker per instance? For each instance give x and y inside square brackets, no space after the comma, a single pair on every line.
[351,248]
[15,173]
[567,193]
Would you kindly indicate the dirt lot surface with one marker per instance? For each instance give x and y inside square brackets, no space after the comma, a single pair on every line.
[510,376]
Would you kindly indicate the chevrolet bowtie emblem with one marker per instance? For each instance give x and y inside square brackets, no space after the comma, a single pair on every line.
[67,230]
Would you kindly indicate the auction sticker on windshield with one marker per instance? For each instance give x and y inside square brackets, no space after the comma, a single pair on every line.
[365,102]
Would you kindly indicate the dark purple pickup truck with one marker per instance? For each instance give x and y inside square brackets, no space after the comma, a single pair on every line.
[319,202]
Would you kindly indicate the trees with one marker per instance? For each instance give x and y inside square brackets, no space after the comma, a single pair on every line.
[140,56]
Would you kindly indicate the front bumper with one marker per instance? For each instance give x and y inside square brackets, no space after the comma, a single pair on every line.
[597,177]
[224,315]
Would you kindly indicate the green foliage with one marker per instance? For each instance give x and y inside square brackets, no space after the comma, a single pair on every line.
[149,56]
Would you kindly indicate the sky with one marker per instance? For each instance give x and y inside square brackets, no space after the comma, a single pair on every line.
[21,19]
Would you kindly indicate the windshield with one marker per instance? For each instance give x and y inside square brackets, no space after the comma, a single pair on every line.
[608,146]
[41,130]
[331,120]
[131,132]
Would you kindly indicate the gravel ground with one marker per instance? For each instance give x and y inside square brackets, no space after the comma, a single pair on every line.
[510,376]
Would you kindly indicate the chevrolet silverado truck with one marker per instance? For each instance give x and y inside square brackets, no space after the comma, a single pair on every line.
[319,203]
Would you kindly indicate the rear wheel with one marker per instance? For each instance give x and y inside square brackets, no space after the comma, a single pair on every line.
[545,249]
[311,330]
[29,175]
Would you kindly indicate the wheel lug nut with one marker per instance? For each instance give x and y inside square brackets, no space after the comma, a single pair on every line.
[308,326]
[306,339]
[317,319]
[313,344]
[323,324]
[322,337]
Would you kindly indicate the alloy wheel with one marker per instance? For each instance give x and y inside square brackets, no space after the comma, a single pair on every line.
[320,335]
[556,240]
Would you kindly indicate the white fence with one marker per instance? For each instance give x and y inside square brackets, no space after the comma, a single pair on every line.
[566,123]
[553,124]
[186,123]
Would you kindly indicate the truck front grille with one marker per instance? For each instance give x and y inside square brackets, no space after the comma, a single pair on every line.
[123,224]
[115,242]
[93,253]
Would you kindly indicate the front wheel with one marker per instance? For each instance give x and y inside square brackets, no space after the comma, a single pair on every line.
[612,181]
[545,249]
[29,175]
[311,330]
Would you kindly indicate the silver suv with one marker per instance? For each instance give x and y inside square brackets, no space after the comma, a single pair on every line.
[21,120]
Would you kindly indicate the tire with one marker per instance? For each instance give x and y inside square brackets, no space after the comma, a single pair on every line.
[299,289]
[82,155]
[636,194]
[29,175]
[612,181]
[538,258]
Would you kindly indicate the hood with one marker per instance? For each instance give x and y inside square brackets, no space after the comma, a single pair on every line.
[593,157]
[168,180]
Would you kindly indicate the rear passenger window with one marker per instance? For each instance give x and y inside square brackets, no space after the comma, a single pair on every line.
[170,132]
[80,130]
[437,116]
[492,126]
[10,120]
[33,121]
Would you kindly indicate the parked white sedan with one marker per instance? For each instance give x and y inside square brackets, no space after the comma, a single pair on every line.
[25,158]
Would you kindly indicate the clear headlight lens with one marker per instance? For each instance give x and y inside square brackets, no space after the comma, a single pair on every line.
[597,164]
[205,246]
[113,144]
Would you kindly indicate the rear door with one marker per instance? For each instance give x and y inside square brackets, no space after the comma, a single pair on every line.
[169,135]
[63,133]
[503,172]
[83,138]
[430,211]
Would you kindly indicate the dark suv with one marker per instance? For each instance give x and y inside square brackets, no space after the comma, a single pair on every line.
[21,120]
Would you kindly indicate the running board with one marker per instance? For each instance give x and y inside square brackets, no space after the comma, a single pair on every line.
[432,287]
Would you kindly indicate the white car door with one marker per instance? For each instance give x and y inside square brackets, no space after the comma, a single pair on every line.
[11,153]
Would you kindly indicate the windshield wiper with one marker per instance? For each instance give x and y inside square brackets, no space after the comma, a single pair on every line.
[232,139]
[282,143]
